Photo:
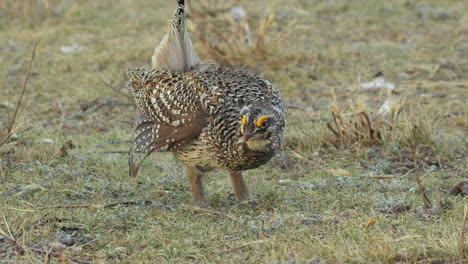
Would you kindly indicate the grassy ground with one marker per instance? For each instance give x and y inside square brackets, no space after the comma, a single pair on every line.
[342,192]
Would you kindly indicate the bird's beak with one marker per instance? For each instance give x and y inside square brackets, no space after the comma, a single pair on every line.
[247,136]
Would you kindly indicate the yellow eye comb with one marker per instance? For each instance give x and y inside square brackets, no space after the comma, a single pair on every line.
[260,121]
[244,119]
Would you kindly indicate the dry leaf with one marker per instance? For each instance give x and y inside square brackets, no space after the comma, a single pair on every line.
[461,188]
[66,146]
[368,223]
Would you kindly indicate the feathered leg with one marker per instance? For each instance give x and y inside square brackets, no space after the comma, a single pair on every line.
[238,185]
[195,178]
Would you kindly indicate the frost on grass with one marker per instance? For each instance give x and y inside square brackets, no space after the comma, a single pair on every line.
[392,206]
[71,236]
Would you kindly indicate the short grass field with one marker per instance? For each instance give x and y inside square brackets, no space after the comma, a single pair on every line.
[374,146]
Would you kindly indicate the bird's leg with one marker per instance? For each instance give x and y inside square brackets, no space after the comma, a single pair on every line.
[238,185]
[198,194]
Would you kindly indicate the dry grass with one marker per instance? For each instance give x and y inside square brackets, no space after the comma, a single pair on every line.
[243,42]
[12,122]
[365,129]
[357,167]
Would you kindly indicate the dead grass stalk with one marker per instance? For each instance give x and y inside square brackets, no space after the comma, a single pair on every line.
[12,122]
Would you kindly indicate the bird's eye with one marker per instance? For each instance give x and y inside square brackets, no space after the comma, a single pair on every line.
[262,122]
[244,119]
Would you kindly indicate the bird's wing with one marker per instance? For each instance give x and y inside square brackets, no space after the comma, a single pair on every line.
[171,101]
[173,112]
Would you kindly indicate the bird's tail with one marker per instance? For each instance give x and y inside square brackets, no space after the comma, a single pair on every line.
[175,51]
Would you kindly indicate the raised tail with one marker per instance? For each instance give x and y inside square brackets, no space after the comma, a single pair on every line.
[175,51]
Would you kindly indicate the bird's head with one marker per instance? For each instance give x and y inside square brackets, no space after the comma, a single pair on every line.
[261,127]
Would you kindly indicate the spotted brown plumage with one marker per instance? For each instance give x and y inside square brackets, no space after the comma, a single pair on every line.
[209,116]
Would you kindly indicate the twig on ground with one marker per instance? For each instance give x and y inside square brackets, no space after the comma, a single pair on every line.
[146,202]
[21,226]
[54,253]
[333,130]
[60,254]
[88,110]
[20,210]
[22,249]
[112,142]
[12,121]
[78,114]
[14,243]
[427,202]
[383,177]
[262,229]
[211,212]
[462,235]
[75,206]
[107,152]
[297,155]
[70,206]
[116,152]
[7,226]
[331,171]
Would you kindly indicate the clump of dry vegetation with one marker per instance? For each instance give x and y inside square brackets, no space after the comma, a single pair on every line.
[231,37]
[401,126]
[365,130]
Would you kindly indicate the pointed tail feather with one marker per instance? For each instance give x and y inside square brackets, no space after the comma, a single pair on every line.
[175,51]
[141,145]
[151,136]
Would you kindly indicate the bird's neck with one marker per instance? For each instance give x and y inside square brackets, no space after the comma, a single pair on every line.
[259,145]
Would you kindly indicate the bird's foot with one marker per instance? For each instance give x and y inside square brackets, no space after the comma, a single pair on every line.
[202,203]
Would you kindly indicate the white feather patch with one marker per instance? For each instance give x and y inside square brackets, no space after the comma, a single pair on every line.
[175,51]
